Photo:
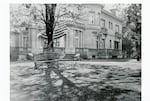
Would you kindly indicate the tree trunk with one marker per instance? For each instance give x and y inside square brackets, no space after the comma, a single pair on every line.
[50,18]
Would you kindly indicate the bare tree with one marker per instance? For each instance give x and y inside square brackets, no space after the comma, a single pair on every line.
[50,19]
[47,16]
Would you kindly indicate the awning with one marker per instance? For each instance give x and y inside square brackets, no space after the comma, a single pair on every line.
[59,31]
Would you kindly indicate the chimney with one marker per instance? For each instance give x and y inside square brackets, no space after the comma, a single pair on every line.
[113,11]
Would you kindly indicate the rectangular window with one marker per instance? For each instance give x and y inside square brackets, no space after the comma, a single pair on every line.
[102,22]
[91,18]
[116,45]
[76,38]
[76,33]
[111,25]
[76,43]
[103,43]
[117,28]
[97,40]
[99,19]
[97,44]
[80,39]
[56,43]
[110,44]
[25,40]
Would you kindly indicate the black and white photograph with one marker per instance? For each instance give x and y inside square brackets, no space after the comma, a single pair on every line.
[75,51]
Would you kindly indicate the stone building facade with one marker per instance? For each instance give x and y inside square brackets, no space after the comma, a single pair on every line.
[98,34]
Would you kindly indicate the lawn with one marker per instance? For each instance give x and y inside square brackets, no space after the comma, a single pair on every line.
[83,81]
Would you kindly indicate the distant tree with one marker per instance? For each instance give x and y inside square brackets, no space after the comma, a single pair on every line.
[131,14]
[19,17]
[133,22]
[51,13]
[121,10]
[44,15]
[127,46]
[52,17]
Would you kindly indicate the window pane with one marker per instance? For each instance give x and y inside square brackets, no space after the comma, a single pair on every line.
[110,43]
[99,18]
[103,44]
[102,22]
[25,42]
[111,25]
[117,28]
[91,18]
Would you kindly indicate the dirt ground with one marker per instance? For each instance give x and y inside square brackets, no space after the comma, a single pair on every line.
[83,81]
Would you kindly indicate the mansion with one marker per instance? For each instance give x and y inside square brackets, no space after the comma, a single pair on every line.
[98,34]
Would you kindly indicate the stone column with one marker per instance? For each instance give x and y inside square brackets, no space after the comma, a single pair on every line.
[70,48]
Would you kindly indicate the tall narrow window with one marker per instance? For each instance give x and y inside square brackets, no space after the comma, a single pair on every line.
[99,21]
[102,22]
[117,28]
[76,38]
[97,44]
[80,39]
[116,45]
[25,40]
[103,43]
[111,25]
[91,18]
[110,43]
[57,43]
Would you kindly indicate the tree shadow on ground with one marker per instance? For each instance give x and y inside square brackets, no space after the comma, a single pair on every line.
[69,91]
[109,60]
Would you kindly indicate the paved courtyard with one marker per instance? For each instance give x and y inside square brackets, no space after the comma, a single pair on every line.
[83,81]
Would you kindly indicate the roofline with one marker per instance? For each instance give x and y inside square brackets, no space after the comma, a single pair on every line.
[93,4]
[110,14]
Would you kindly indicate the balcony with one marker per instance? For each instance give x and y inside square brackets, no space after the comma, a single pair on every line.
[118,35]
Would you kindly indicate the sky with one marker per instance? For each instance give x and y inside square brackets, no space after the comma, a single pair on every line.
[108,6]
